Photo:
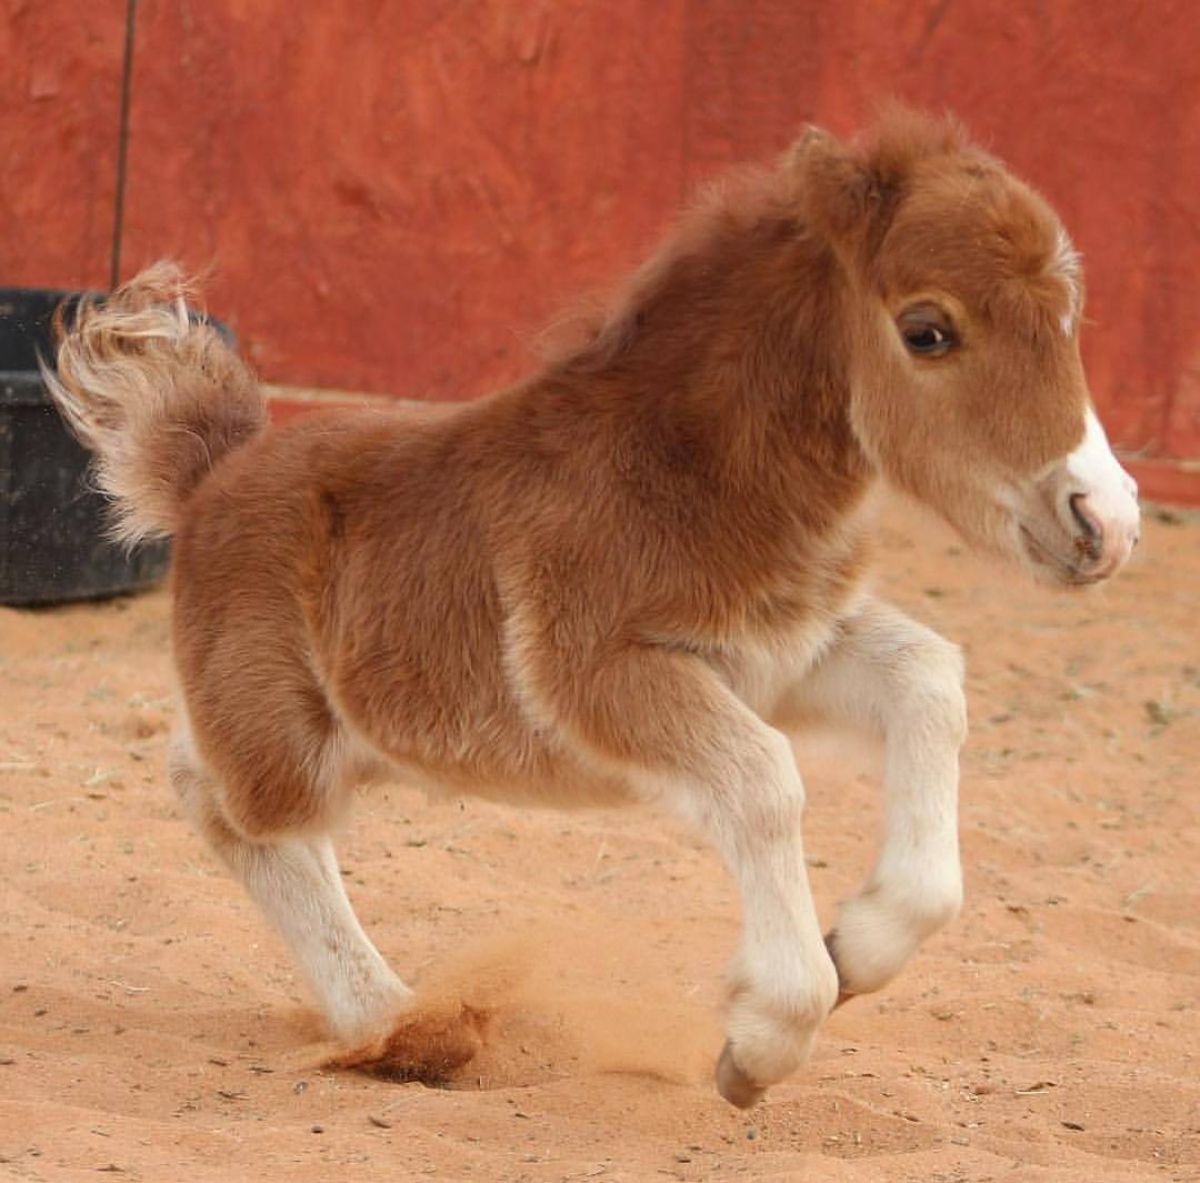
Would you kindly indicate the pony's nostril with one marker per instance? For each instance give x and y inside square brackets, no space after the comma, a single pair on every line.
[1092,541]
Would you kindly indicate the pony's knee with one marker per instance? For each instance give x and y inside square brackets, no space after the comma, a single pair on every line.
[771,796]
[927,689]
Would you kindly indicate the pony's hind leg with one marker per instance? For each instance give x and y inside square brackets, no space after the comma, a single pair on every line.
[297,884]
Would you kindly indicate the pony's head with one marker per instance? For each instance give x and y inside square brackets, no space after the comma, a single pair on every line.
[967,387]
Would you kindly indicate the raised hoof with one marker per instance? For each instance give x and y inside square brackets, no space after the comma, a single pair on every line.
[733,1084]
[844,995]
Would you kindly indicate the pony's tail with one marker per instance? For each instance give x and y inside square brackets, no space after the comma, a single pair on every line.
[155,393]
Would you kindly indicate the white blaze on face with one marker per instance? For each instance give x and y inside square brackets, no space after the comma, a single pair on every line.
[1099,491]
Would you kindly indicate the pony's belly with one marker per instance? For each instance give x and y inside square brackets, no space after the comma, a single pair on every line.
[563,783]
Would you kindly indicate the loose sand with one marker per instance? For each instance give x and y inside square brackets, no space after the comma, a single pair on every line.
[151,1028]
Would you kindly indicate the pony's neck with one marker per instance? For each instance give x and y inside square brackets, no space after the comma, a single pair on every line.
[736,351]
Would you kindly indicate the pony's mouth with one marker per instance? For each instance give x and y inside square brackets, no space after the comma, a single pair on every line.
[1050,562]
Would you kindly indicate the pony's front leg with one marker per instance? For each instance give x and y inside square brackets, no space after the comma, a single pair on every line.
[901,681]
[682,738]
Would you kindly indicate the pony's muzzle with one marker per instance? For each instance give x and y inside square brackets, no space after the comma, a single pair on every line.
[1104,526]
[1096,504]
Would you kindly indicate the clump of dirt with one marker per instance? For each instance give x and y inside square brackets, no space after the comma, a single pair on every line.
[428,1046]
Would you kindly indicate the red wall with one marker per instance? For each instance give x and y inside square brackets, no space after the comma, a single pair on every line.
[58,140]
[395,196]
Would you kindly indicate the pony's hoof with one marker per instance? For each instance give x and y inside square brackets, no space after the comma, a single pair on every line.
[733,1084]
[844,995]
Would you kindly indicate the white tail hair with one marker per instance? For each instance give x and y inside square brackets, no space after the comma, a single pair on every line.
[155,393]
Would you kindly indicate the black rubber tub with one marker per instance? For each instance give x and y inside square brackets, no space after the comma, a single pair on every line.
[53,541]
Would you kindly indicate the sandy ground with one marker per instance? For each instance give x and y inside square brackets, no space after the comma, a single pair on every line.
[151,1028]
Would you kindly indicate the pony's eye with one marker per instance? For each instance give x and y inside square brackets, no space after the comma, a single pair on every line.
[926,331]
[925,340]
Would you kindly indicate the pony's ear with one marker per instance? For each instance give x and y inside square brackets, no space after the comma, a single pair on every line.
[849,192]
[841,191]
